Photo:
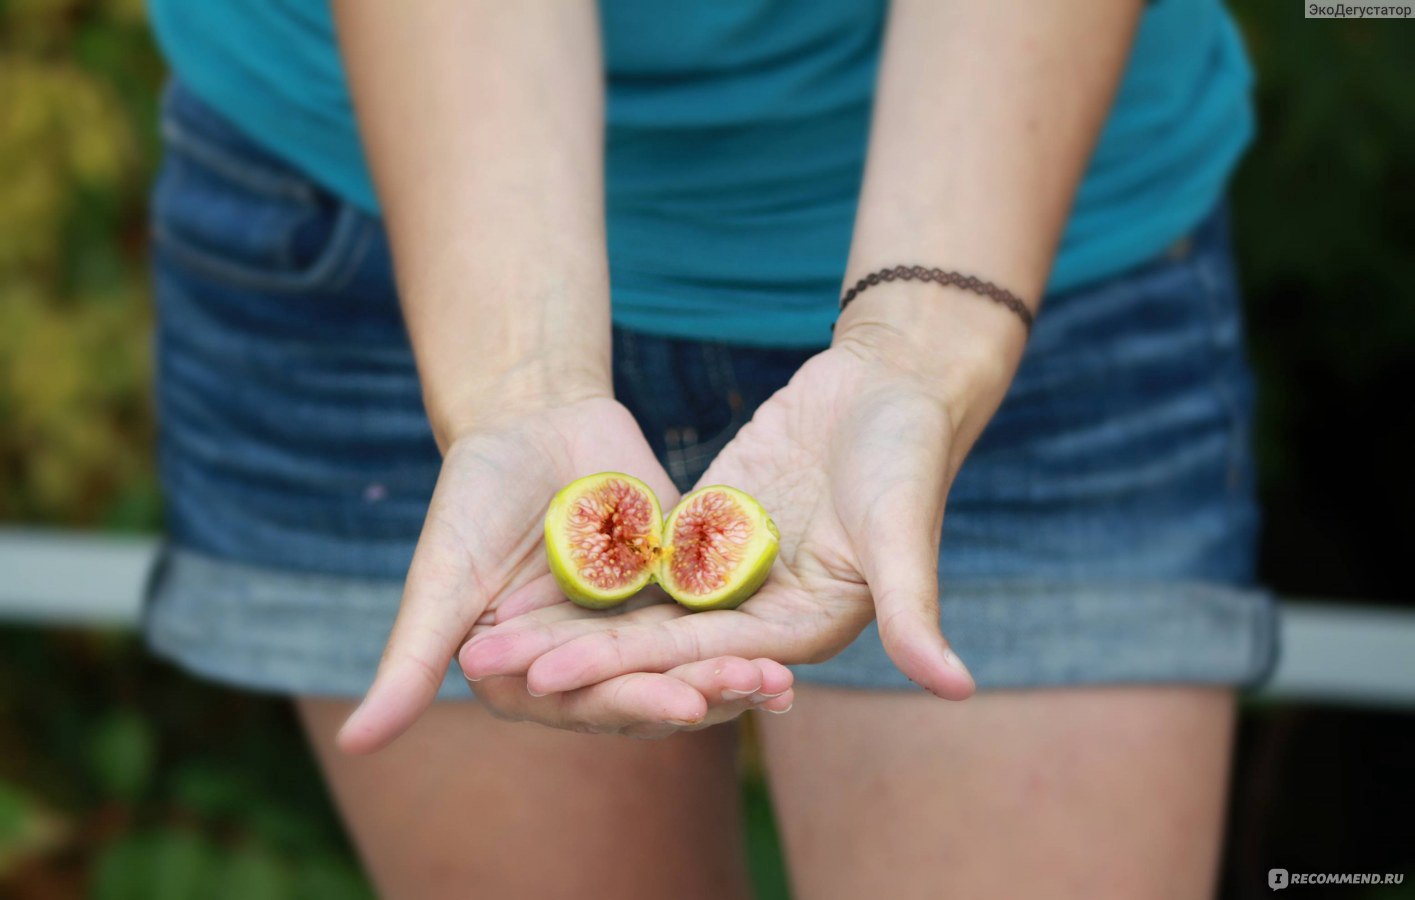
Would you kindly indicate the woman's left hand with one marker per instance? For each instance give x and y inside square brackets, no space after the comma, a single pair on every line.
[853,459]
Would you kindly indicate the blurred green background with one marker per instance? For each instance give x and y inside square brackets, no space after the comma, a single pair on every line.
[122,778]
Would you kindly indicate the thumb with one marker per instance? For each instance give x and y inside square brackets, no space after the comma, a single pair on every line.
[905,590]
[896,539]
[433,621]
[482,524]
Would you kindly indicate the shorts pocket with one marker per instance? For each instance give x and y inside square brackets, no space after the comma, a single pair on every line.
[226,210]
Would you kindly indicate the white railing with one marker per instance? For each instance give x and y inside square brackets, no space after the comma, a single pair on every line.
[1331,652]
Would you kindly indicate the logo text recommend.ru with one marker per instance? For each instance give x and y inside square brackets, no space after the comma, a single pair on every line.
[1281,878]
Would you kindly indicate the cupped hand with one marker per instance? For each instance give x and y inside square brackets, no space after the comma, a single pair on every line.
[481,551]
[689,697]
[853,460]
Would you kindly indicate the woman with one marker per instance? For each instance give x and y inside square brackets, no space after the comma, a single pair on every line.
[733,165]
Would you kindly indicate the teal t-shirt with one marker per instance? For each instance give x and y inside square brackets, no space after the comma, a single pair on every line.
[736,135]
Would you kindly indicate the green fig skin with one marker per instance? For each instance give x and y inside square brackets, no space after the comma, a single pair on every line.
[756,566]
[753,572]
[559,553]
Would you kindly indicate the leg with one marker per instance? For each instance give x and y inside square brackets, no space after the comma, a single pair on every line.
[1066,792]
[466,805]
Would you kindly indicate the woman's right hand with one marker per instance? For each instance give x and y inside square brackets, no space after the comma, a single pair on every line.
[482,544]
[483,126]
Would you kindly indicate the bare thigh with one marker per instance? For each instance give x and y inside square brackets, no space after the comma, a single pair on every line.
[1067,792]
[465,805]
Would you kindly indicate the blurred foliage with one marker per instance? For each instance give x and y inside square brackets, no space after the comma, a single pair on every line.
[1325,230]
[119,780]
[114,769]
[78,148]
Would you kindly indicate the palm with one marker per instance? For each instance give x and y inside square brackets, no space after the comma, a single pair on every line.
[488,512]
[480,550]
[852,463]
[817,592]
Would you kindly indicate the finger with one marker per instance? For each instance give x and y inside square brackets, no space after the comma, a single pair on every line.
[642,698]
[536,611]
[659,647]
[894,530]
[721,680]
[740,684]
[727,683]
[436,613]
[455,573]
[721,684]
[776,678]
[511,647]
[648,705]
[717,715]
[564,611]
[541,593]
[906,604]
[779,705]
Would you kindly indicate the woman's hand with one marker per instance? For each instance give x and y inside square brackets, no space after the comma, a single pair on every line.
[853,459]
[483,125]
[481,549]
[689,697]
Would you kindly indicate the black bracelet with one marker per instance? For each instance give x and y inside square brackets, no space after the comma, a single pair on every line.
[947,279]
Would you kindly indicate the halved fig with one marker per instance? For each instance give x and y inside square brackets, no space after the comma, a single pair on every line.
[602,538]
[718,546]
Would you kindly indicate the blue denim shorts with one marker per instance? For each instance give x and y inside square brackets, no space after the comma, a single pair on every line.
[1102,531]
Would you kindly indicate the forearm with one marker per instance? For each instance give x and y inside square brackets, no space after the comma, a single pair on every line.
[985,117]
[482,123]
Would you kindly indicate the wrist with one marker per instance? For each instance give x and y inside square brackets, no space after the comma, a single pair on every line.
[512,390]
[514,345]
[962,348]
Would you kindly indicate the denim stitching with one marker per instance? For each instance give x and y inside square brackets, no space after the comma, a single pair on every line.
[1211,284]
[254,178]
[335,255]
[203,333]
[176,173]
[174,179]
[355,257]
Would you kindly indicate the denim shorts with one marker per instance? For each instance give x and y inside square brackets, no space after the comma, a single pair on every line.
[1102,531]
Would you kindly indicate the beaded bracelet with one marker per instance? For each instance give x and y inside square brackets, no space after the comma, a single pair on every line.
[947,279]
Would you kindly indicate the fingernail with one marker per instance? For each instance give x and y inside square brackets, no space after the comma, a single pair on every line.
[683,723]
[533,692]
[470,678]
[780,712]
[729,695]
[770,696]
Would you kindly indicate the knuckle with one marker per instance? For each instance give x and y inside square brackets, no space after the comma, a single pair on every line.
[686,644]
[430,674]
[734,670]
[615,646]
[622,695]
